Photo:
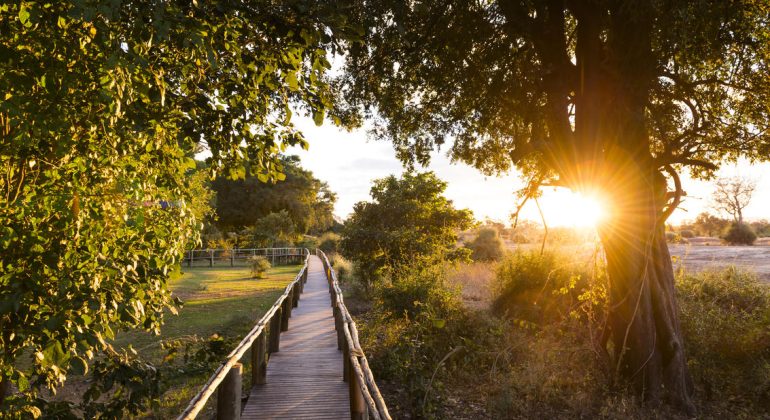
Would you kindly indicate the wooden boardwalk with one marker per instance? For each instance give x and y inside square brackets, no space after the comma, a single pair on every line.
[304,379]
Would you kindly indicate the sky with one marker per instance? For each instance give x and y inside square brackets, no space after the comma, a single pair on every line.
[350,161]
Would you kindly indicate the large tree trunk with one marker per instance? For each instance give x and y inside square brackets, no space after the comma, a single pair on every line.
[645,335]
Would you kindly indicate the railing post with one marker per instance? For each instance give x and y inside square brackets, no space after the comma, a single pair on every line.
[357,405]
[229,395]
[275,331]
[286,312]
[211,257]
[259,360]
[295,294]
[189,260]
[232,258]
[338,327]
[346,368]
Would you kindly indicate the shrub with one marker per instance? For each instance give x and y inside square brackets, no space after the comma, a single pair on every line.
[675,237]
[416,289]
[487,246]
[687,234]
[725,319]
[520,238]
[329,243]
[309,242]
[417,335]
[258,265]
[740,234]
[343,267]
[537,288]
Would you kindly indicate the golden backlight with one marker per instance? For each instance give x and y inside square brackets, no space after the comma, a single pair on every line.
[568,208]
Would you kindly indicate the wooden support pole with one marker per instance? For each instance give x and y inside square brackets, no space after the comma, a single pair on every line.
[229,395]
[259,360]
[286,312]
[358,409]
[211,257]
[347,370]
[275,331]
[338,327]
[295,295]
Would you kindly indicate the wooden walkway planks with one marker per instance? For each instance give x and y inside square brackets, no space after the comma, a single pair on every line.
[304,379]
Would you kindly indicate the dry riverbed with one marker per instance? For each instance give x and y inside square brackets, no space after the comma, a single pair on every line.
[700,257]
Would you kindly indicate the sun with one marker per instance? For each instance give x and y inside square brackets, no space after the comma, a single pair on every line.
[573,209]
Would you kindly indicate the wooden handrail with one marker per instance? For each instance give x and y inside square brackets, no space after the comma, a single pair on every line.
[359,375]
[200,399]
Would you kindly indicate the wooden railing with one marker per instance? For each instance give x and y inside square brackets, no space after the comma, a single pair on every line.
[262,340]
[365,398]
[233,256]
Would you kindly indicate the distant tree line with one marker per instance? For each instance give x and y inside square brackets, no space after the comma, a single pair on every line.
[253,213]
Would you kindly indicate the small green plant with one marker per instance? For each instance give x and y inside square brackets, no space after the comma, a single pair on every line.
[740,234]
[259,266]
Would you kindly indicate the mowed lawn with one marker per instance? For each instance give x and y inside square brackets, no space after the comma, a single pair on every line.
[223,301]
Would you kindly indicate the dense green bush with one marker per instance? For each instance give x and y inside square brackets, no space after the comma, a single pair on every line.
[258,266]
[740,234]
[487,246]
[409,221]
[413,290]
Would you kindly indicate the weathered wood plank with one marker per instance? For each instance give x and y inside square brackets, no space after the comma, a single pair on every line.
[304,379]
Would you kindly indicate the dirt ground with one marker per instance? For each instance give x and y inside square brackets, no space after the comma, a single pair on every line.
[699,257]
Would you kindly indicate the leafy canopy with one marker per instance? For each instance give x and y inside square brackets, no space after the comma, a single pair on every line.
[103,105]
[408,221]
[556,88]
[307,201]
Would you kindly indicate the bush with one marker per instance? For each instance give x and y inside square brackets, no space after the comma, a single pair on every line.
[740,234]
[329,243]
[537,288]
[675,238]
[343,267]
[417,335]
[520,238]
[259,266]
[687,234]
[413,290]
[487,246]
[725,319]
[309,242]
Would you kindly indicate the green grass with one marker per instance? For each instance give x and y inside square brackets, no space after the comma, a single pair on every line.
[223,301]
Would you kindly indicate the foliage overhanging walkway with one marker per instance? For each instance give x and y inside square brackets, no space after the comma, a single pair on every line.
[316,369]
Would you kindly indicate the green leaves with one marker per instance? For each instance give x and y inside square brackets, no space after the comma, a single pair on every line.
[104,106]
[408,223]
[24,16]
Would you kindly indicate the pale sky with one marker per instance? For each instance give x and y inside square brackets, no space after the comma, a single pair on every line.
[349,162]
